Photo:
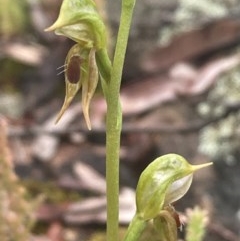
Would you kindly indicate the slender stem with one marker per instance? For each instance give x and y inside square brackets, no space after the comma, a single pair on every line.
[104,65]
[114,122]
[135,229]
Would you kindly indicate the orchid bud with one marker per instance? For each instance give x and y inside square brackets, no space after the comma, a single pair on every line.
[164,181]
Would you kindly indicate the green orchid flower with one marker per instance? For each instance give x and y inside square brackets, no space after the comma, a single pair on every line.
[80,21]
[163,182]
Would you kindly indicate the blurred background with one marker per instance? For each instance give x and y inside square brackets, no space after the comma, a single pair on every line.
[180,94]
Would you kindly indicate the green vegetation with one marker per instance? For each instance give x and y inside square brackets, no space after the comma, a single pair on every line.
[168,177]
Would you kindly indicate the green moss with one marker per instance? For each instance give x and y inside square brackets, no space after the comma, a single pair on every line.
[221,139]
[192,14]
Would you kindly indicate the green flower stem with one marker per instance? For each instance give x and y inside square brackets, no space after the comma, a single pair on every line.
[135,229]
[104,65]
[114,121]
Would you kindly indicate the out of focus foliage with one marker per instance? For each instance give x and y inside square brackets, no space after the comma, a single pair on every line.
[197,222]
[13,17]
